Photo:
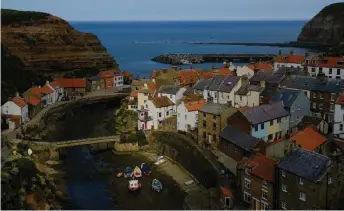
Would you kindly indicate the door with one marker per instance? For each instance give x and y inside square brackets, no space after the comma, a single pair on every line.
[255,204]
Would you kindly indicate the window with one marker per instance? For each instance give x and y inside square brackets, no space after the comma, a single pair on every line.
[247,184]
[214,126]
[278,120]
[329,180]
[159,114]
[284,205]
[321,106]
[305,93]
[214,138]
[167,113]
[247,197]
[321,95]
[270,136]
[227,202]
[204,123]
[341,127]
[314,105]
[186,117]
[313,70]
[214,116]
[320,70]
[204,114]
[338,71]
[262,126]
[240,98]
[264,194]
[332,107]
[271,122]
[302,196]
[204,134]
[314,95]
[284,188]
[330,71]
[342,107]
[283,173]
[301,181]
[170,96]
[256,128]
[146,105]
[247,171]
[297,118]
[333,97]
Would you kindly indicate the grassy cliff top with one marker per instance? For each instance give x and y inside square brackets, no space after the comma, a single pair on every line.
[333,9]
[19,17]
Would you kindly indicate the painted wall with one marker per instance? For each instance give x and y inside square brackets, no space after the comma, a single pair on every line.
[241,100]
[142,98]
[329,72]
[273,128]
[244,70]
[253,99]
[185,118]
[338,121]
[261,132]
[300,108]
[10,108]
[225,97]
[277,65]
[118,81]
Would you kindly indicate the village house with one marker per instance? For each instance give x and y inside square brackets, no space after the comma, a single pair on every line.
[289,60]
[296,103]
[266,122]
[189,77]
[306,180]
[187,115]
[212,120]
[244,71]
[145,93]
[136,85]
[118,80]
[259,66]
[332,67]
[298,82]
[173,92]
[16,111]
[287,71]
[38,92]
[314,122]
[57,91]
[33,99]
[267,94]
[201,86]
[72,86]
[155,112]
[210,91]
[132,103]
[108,78]
[235,145]
[309,139]
[95,83]
[257,182]
[247,95]
[338,126]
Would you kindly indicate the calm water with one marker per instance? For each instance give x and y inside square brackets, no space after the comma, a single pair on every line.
[133,44]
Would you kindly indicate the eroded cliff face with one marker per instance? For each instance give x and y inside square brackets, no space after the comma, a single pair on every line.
[327,27]
[49,45]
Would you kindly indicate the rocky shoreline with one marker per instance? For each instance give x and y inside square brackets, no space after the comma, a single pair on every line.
[184,58]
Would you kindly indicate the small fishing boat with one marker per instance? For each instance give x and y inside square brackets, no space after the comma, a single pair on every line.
[134,185]
[160,160]
[137,172]
[119,174]
[128,172]
[156,185]
[145,168]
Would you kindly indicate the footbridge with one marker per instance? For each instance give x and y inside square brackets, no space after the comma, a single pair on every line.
[87,141]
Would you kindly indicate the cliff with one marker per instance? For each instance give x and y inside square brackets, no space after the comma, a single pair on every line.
[47,45]
[327,27]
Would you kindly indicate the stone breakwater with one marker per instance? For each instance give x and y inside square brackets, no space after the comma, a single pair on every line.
[178,59]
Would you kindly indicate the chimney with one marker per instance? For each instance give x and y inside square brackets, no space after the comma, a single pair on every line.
[17,94]
[47,82]
[291,52]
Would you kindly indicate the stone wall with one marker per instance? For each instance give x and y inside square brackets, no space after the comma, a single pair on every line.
[126,147]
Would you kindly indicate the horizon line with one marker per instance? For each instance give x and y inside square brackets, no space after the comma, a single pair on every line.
[199,20]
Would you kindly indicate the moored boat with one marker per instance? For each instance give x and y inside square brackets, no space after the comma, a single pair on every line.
[128,172]
[160,160]
[137,172]
[134,185]
[145,168]
[156,185]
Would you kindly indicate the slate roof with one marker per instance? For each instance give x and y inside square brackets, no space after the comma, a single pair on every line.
[214,108]
[274,78]
[94,78]
[259,76]
[228,84]
[216,83]
[266,112]
[169,89]
[202,84]
[314,84]
[287,96]
[162,102]
[290,71]
[244,89]
[189,91]
[262,167]
[238,138]
[305,164]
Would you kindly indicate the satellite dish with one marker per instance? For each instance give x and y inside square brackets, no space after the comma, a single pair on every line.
[29,151]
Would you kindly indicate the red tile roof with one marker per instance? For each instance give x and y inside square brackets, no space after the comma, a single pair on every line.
[162,102]
[260,66]
[46,89]
[262,167]
[226,192]
[32,100]
[340,99]
[71,82]
[106,74]
[308,138]
[223,71]
[195,105]
[133,94]
[19,101]
[331,62]
[287,58]
[189,77]
[244,108]
[15,117]
[208,74]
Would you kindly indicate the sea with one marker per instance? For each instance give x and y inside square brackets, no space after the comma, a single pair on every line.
[134,44]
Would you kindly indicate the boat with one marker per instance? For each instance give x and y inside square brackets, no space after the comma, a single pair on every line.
[187,183]
[128,172]
[160,160]
[119,174]
[156,185]
[134,185]
[137,172]
[145,168]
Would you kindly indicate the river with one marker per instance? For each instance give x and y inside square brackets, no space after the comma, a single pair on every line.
[90,179]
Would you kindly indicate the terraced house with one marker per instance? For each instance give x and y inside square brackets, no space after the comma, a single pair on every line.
[211,121]
[257,182]
[338,127]
[266,122]
[289,60]
[187,114]
[332,67]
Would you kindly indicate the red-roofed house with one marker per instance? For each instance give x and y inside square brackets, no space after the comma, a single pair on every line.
[109,78]
[338,125]
[257,182]
[187,114]
[332,67]
[308,139]
[289,60]
[15,111]
[256,67]
[189,77]
[72,86]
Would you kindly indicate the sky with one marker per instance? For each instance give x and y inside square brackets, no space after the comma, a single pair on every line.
[163,10]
